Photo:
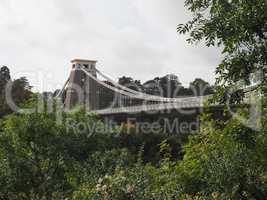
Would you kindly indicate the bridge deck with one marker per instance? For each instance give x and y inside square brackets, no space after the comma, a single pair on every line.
[191,102]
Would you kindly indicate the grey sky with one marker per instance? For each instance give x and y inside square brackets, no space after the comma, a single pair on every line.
[128,37]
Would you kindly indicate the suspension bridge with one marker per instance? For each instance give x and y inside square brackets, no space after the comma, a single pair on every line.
[99,94]
[102,95]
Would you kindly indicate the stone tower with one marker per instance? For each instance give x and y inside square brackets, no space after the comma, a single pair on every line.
[82,90]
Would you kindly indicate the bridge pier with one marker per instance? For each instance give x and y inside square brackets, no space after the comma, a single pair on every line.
[81,89]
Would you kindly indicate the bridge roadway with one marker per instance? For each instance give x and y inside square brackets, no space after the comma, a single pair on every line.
[183,103]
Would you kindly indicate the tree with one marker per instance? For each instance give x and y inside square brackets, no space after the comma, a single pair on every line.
[20,91]
[41,159]
[199,87]
[130,83]
[166,86]
[4,75]
[152,87]
[4,78]
[226,159]
[33,153]
[240,28]
[169,85]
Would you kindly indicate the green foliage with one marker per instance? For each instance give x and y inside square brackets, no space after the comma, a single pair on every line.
[19,91]
[239,26]
[201,87]
[39,156]
[43,159]
[224,160]
[33,149]
[167,86]
[137,182]
[105,162]
[4,77]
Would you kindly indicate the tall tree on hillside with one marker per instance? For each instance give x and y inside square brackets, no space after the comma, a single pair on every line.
[184,92]
[4,74]
[170,85]
[152,87]
[240,27]
[166,86]
[200,87]
[4,79]
[20,91]
[130,83]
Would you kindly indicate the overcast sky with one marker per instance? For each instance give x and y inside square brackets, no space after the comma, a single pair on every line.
[135,38]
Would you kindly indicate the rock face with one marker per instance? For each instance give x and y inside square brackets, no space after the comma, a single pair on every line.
[82,90]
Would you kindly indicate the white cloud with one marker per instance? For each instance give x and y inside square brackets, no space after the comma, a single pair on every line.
[132,38]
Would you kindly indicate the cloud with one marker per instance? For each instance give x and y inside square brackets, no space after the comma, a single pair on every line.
[132,38]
